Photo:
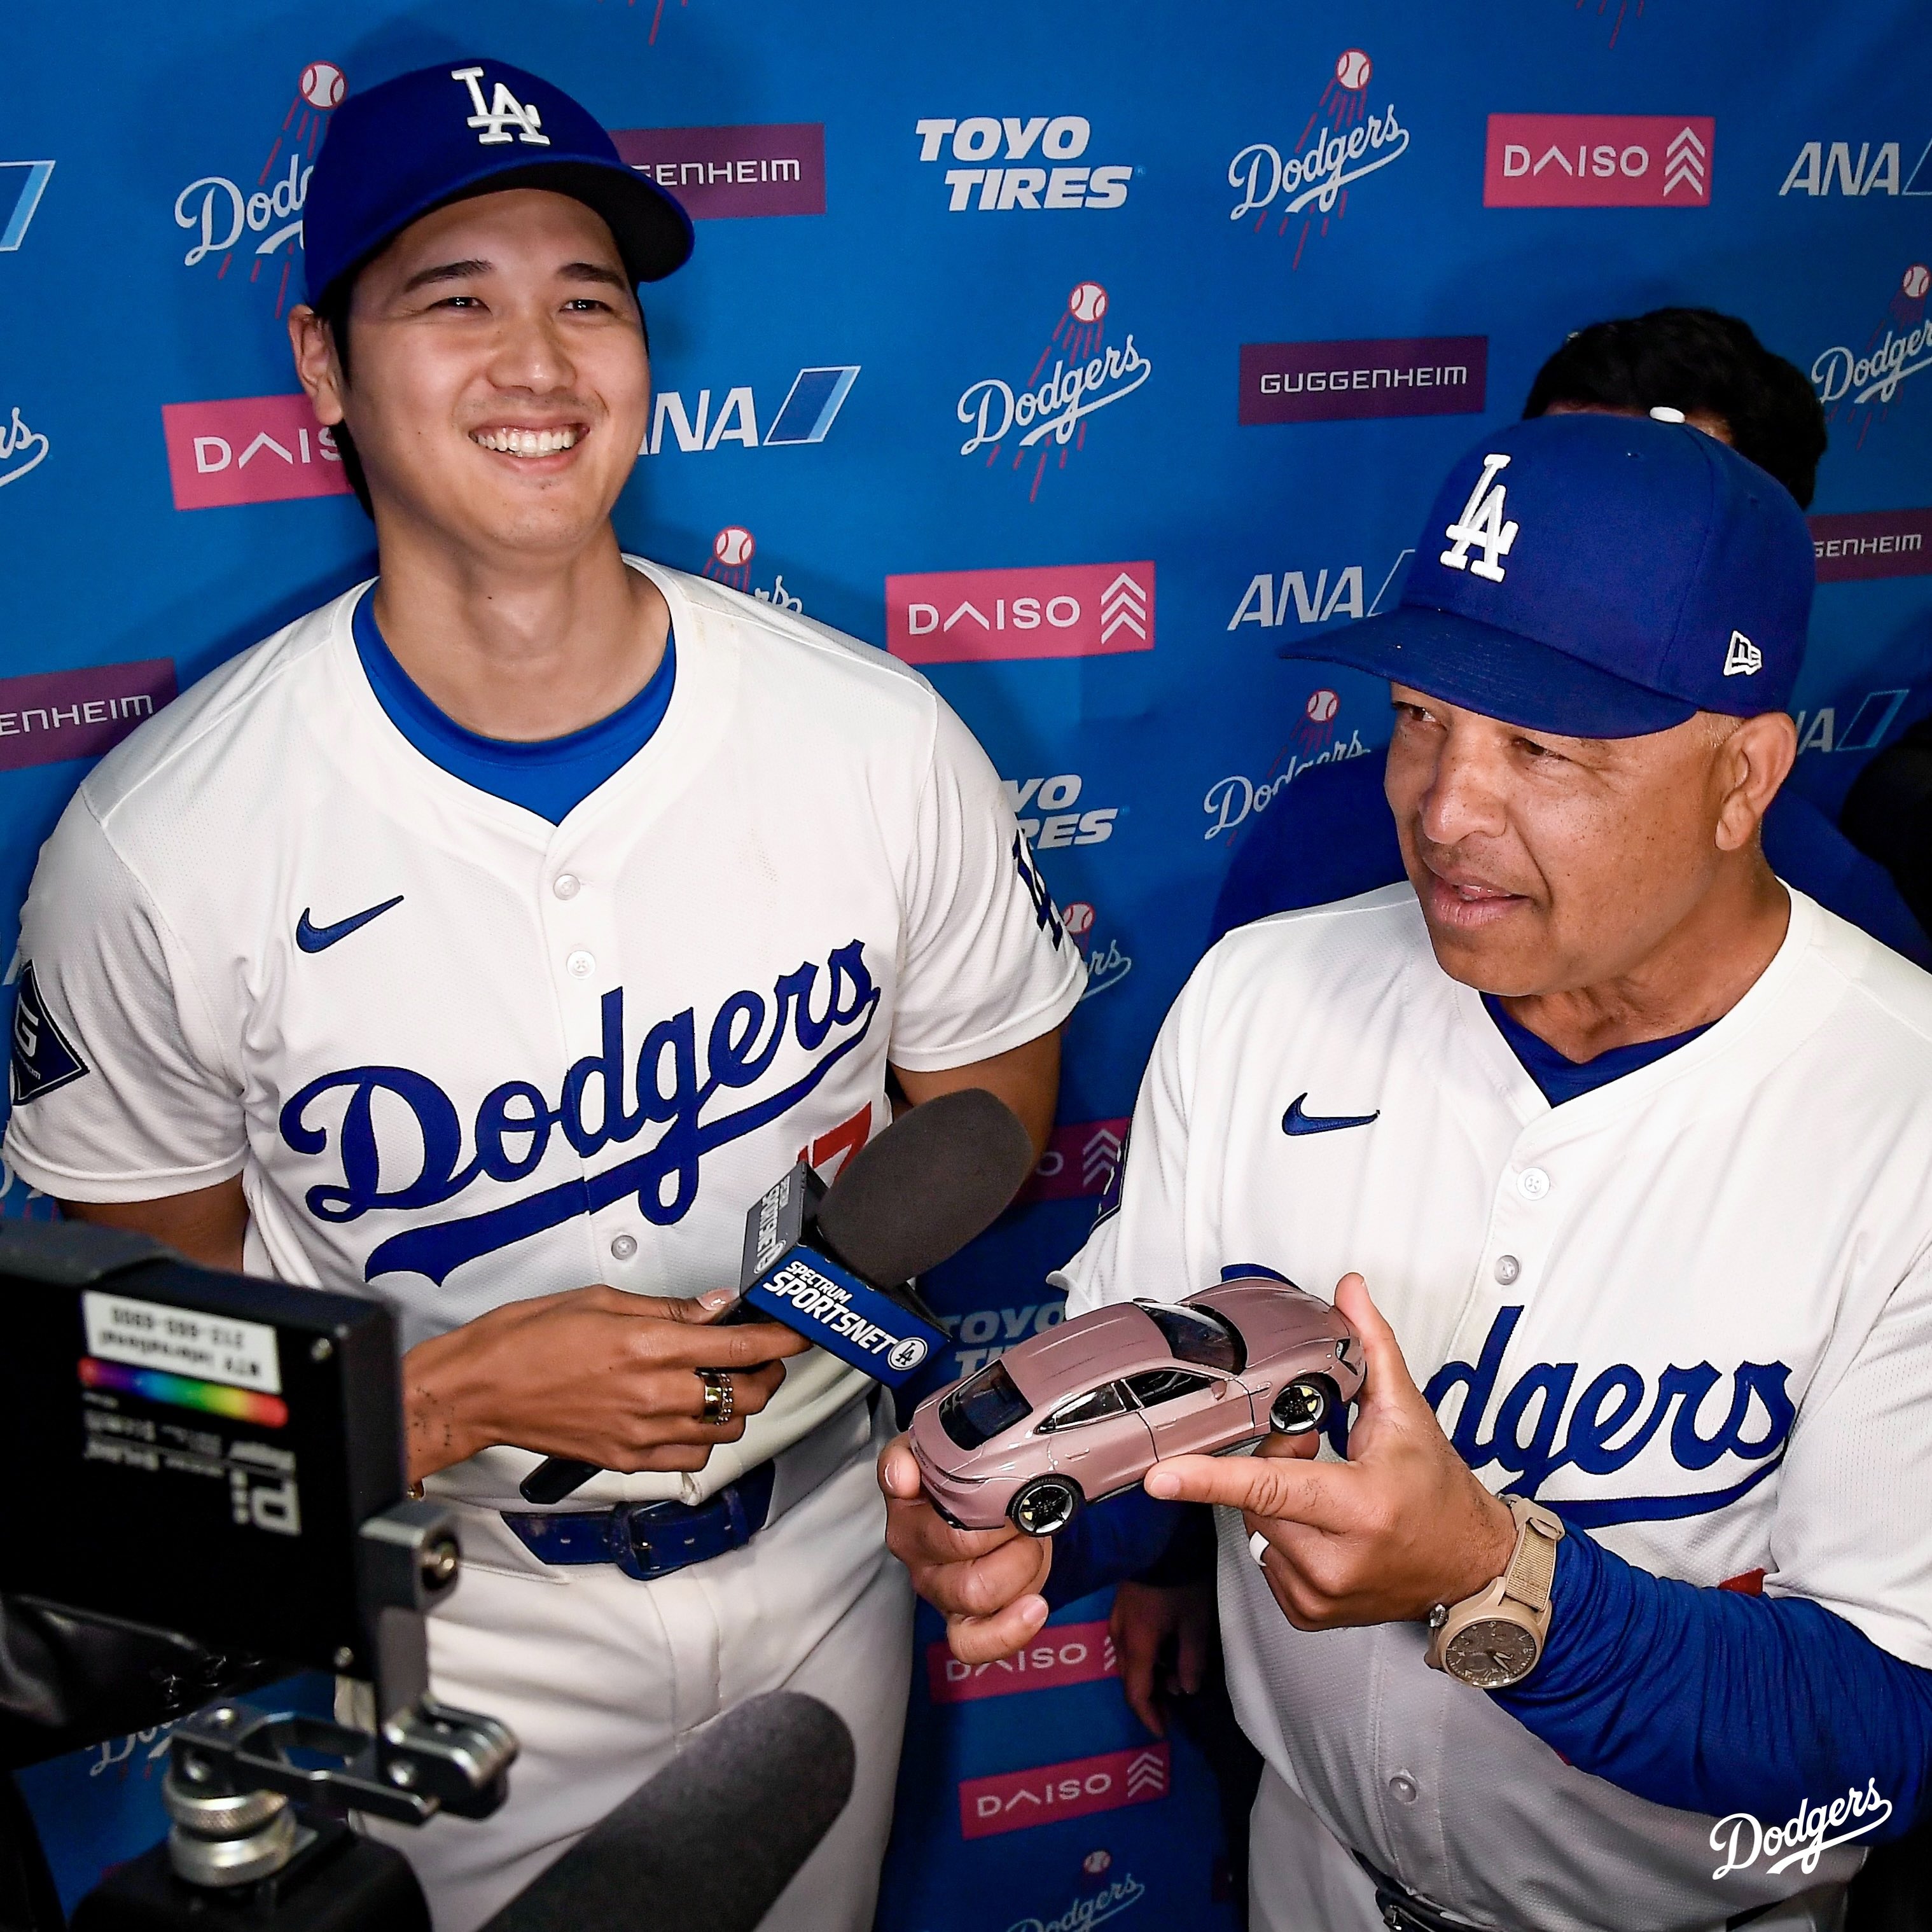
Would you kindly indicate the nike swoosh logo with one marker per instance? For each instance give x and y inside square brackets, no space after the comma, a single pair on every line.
[320,938]
[1295,1121]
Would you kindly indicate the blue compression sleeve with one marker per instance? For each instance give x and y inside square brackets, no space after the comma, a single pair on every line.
[1761,1705]
[1110,1542]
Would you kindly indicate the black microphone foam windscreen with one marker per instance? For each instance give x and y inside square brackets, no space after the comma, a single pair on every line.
[919,1192]
[708,1844]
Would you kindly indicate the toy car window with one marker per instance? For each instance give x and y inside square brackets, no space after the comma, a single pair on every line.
[1109,1398]
[981,1407]
[1159,1385]
[1197,1335]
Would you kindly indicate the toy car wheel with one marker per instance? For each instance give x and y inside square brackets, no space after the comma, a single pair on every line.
[1304,1405]
[1047,1504]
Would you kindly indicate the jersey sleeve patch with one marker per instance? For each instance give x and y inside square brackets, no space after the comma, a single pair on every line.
[43,1058]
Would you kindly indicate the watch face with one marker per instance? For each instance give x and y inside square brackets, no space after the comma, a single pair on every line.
[1491,1653]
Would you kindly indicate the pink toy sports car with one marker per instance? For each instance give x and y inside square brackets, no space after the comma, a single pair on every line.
[1084,1410]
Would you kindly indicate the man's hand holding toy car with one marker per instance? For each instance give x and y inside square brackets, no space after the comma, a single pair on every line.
[1401,1526]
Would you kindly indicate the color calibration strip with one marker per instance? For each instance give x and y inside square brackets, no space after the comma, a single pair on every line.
[184,1392]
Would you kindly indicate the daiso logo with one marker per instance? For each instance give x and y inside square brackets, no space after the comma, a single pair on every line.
[1048,610]
[249,449]
[1012,1801]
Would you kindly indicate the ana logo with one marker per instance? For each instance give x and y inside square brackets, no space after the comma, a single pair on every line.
[399,1143]
[50,715]
[1050,610]
[1870,719]
[1896,350]
[495,117]
[1858,544]
[1057,824]
[1481,523]
[1340,143]
[1598,160]
[1051,415]
[1331,381]
[1823,169]
[22,449]
[1012,1801]
[252,449]
[1538,1431]
[1741,657]
[720,174]
[1264,603]
[21,184]
[1013,142]
[263,218]
[1080,1162]
[810,408]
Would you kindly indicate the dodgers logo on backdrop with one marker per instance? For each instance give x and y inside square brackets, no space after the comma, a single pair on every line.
[257,218]
[1598,160]
[1535,1430]
[730,562]
[386,1169]
[1231,801]
[1896,350]
[22,448]
[1002,160]
[809,408]
[1341,142]
[1050,416]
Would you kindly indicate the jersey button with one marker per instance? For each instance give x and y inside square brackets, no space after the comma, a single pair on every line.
[1507,1268]
[1404,1787]
[566,885]
[1532,1183]
[623,1246]
[580,964]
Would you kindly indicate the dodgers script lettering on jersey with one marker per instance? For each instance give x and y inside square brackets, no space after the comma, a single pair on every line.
[512,1128]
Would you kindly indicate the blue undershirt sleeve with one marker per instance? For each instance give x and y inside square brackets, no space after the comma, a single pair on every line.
[1109,1542]
[1713,1701]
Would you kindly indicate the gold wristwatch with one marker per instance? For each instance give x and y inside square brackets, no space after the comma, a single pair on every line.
[1495,1638]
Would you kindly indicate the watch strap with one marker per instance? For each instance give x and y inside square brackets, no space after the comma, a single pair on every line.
[1532,1564]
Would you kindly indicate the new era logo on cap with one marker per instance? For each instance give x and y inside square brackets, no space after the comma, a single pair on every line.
[501,113]
[1742,658]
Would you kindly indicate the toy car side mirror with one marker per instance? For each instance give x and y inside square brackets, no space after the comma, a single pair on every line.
[1220,1390]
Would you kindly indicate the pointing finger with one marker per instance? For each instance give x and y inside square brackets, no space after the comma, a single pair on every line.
[1311,1493]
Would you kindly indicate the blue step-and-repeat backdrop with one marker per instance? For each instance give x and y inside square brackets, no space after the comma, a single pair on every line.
[1081,358]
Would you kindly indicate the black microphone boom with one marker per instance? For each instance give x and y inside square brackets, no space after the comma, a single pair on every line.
[709,1843]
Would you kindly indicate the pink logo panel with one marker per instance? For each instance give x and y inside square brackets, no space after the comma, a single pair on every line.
[716,173]
[1872,543]
[1014,1800]
[51,714]
[1080,1159]
[249,449]
[1063,1653]
[1054,611]
[1599,160]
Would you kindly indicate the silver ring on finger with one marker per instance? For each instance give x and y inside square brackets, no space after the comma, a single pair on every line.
[720,1399]
[1258,1548]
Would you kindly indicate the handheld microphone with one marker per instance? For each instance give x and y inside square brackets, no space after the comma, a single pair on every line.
[834,1264]
[709,1844]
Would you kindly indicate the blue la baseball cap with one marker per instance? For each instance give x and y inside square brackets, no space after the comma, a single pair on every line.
[1598,577]
[467,127]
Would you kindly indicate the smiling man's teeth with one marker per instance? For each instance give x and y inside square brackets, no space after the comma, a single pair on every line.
[525,442]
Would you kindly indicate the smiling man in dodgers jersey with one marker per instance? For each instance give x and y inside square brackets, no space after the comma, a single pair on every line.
[1632,1143]
[488,939]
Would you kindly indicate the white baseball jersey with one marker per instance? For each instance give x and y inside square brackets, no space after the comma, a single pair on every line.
[460,1056]
[1693,1306]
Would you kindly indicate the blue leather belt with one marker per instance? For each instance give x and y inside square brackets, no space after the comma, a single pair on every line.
[647,1540]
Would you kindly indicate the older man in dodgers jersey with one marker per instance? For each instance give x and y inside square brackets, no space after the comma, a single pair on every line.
[1632,1144]
[488,939]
